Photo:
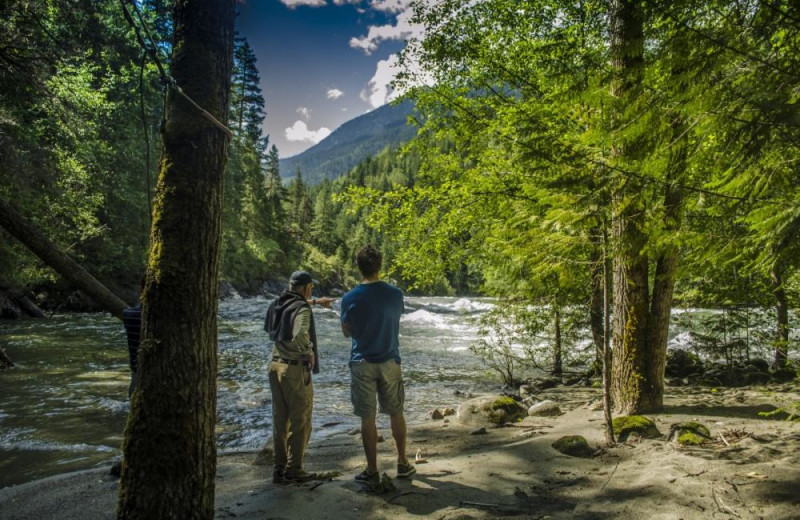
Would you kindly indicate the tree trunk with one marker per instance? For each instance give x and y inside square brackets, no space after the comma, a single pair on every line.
[24,231]
[628,213]
[596,311]
[607,404]
[782,306]
[169,449]
[660,311]
[558,368]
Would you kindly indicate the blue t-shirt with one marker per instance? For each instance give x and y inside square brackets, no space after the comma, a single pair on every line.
[373,312]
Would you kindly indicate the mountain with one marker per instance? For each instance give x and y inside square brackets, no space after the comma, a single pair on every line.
[352,142]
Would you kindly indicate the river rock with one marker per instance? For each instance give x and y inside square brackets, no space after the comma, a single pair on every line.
[761,365]
[544,409]
[265,457]
[625,425]
[756,378]
[682,363]
[574,446]
[495,410]
[545,383]
[526,390]
[441,413]
[784,375]
[689,433]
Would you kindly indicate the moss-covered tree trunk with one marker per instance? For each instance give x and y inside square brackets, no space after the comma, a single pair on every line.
[642,312]
[628,211]
[169,450]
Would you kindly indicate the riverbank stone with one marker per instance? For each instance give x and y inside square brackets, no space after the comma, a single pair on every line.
[490,410]
[634,424]
[544,409]
[682,363]
[689,433]
[784,375]
[574,446]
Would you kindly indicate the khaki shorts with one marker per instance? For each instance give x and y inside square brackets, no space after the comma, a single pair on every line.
[383,379]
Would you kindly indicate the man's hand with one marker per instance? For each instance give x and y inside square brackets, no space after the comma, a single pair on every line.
[325,301]
[346,330]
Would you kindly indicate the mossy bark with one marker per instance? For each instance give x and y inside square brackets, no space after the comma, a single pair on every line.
[628,209]
[642,312]
[169,449]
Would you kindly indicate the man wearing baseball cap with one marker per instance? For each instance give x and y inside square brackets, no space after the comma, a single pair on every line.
[290,325]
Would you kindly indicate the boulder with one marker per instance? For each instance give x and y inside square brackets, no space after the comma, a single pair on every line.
[544,409]
[682,363]
[574,446]
[756,378]
[761,365]
[526,391]
[496,410]
[447,412]
[625,425]
[437,414]
[784,375]
[689,433]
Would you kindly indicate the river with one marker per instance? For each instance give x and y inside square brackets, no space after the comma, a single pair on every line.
[63,406]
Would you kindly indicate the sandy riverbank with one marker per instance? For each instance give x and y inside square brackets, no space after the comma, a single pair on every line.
[510,472]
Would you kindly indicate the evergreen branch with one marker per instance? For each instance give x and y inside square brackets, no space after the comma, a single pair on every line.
[721,43]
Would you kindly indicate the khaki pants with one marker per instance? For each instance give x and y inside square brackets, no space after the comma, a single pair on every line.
[292,400]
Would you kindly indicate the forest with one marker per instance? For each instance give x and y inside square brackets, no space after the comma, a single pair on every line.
[593,165]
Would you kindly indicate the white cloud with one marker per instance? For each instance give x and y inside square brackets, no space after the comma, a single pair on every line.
[392,6]
[402,30]
[334,93]
[342,2]
[300,132]
[291,4]
[379,91]
[304,111]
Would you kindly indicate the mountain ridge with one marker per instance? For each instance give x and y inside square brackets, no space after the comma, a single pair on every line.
[352,142]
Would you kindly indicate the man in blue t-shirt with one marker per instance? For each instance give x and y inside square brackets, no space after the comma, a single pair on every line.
[371,317]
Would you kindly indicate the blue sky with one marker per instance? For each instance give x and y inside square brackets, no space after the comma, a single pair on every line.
[322,62]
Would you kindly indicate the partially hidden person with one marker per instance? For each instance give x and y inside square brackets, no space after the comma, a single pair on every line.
[370,316]
[132,320]
[290,324]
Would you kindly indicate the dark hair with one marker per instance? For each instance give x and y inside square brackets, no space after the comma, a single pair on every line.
[369,260]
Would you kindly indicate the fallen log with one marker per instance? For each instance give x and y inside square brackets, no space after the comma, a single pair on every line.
[30,236]
[28,307]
